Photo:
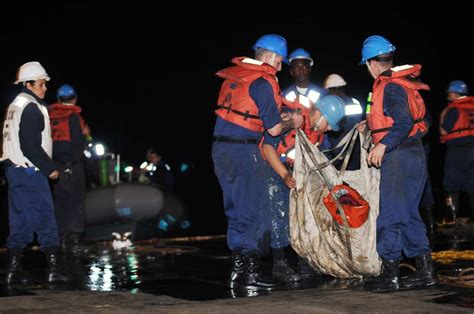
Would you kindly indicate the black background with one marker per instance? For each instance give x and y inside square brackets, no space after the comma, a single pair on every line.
[145,74]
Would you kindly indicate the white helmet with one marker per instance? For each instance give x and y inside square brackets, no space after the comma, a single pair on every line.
[31,71]
[334,80]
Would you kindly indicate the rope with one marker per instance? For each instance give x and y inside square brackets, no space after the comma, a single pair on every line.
[410,267]
[464,279]
[446,257]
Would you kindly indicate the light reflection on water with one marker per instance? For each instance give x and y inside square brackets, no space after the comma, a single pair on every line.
[111,271]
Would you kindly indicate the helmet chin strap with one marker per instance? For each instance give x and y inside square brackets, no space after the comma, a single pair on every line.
[316,126]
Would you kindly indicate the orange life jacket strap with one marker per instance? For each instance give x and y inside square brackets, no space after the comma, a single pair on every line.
[386,129]
[246,114]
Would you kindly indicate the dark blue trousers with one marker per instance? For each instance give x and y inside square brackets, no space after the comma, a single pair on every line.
[459,168]
[399,226]
[279,196]
[30,209]
[70,200]
[242,171]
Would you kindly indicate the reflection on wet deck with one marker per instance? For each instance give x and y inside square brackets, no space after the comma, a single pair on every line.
[194,270]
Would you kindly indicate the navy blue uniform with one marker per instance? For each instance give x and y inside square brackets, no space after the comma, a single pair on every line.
[459,163]
[241,171]
[403,176]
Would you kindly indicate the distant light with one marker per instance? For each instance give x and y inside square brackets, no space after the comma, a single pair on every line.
[128,169]
[185,224]
[149,167]
[99,149]
[163,225]
[89,145]
[87,153]
[183,167]
[153,168]
[167,167]
[170,218]
[143,165]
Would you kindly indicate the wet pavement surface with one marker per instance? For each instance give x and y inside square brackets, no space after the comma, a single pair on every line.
[188,275]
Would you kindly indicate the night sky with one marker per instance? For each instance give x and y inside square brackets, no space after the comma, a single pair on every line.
[142,80]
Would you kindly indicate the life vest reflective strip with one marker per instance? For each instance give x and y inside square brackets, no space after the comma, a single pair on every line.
[235,103]
[353,108]
[464,125]
[310,94]
[403,76]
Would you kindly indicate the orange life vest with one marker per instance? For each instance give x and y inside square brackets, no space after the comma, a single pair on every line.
[235,104]
[59,118]
[464,125]
[288,142]
[403,76]
[355,207]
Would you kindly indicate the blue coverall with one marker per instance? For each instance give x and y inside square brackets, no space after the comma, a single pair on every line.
[241,172]
[402,180]
[459,163]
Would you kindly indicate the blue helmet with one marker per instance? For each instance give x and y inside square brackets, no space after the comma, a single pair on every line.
[374,46]
[66,91]
[458,87]
[332,108]
[274,43]
[300,53]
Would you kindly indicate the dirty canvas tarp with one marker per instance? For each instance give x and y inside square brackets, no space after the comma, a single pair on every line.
[315,235]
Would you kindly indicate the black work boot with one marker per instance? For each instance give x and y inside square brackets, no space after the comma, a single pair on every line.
[238,267]
[305,270]
[388,280]
[15,273]
[282,271]
[452,205]
[55,273]
[424,276]
[426,214]
[253,274]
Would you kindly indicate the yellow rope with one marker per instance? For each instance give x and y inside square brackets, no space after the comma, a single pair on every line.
[446,257]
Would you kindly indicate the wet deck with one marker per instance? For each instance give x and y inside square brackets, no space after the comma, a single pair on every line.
[190,276]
